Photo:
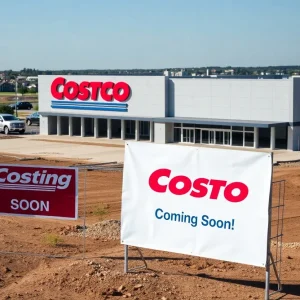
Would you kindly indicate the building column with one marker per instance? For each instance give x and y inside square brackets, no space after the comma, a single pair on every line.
[137,130]
[256,137]
[123,129]
[151,133]
[160,133]
[170,133]
[293,137]
[82,131]
[70,126]
[96,128]
[181,133]
[272,146]
[109,128]
[58,125]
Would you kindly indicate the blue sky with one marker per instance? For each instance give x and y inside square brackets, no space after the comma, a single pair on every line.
[76,34]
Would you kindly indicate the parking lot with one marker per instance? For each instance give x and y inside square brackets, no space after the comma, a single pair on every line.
[33,129]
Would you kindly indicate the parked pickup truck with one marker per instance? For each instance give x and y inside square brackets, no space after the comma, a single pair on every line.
[9,123]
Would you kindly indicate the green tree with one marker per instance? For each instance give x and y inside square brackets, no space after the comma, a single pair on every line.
[22,90]
[5,109]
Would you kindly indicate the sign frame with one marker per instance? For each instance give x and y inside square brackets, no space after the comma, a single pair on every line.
[43,216]
[270,260]
[216,191]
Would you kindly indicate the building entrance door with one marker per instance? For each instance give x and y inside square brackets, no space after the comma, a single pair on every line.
[208,137]
[212,137]
[205,137]
[198,136]
[188,135]
[226,138]
[219,137]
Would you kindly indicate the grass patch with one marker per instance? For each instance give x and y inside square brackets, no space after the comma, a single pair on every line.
[14,94]
[52,239]
[101,211]
[7,94]
[6,100]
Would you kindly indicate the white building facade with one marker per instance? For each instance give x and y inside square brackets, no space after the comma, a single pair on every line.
[255,113]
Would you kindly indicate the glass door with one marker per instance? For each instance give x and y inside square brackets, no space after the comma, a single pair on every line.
[184,135]
[188,135]
[226,138]
[211,137]
[198,136]
[192,136]
[205,135]
[219,137]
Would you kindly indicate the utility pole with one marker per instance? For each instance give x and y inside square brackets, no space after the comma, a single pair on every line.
[16,107]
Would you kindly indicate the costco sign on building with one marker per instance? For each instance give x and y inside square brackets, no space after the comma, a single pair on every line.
[199,201]
[94,95]
[108,95]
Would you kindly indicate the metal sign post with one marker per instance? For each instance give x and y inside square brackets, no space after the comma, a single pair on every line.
[126,267]
[275,236]
[84,214]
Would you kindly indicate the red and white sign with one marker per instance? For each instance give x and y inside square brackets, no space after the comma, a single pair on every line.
[39,191]
[197,188]
[198,201]
[94,96]
[90,90]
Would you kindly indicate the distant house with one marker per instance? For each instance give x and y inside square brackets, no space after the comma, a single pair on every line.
[32,79]
[21,78]
[6,87]
[229,72]
[175,74]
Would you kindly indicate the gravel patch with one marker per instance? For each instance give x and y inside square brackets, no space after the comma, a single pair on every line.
[108,230]
[294,245]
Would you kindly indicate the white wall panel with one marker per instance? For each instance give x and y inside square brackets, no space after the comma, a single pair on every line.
[241,99]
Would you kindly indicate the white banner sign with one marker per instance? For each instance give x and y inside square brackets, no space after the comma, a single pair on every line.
[199,201]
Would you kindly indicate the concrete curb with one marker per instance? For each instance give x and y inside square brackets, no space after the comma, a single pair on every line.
[286,161]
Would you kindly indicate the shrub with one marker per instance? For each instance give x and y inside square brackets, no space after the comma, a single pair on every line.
[52,239]
[101,211]
[32,90]
[5,109]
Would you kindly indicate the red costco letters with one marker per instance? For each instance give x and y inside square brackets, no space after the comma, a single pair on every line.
[198,187]
[89,90]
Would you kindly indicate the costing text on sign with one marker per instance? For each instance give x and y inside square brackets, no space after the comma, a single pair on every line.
[38,191]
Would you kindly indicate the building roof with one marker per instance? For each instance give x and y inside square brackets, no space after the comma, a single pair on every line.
[204,121]
[224,122]
[234,77]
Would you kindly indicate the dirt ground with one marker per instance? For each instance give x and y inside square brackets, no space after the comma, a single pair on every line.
[54,261]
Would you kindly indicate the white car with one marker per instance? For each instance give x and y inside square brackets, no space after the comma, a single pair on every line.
[9,123]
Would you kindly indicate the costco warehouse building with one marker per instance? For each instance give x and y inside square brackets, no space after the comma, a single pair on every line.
[255,113]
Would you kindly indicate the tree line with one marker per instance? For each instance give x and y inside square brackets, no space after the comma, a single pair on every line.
[272,70]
